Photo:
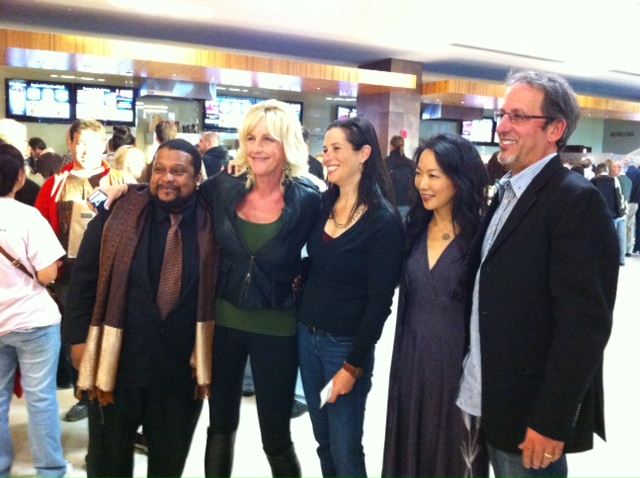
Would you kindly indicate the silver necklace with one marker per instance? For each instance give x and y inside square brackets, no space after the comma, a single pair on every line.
[356,214]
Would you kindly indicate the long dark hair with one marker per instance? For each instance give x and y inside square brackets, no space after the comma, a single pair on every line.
[11,163]
[461,163]
[374,188]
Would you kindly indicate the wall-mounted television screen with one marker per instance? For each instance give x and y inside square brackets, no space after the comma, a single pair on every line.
[226,113]
[44,101]
[344,112]
[479,130]
[297,107]
[107,104]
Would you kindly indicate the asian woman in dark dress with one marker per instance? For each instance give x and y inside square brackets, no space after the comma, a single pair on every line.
[426,433]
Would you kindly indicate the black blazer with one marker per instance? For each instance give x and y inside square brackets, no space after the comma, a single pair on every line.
[154,351]
[547,291]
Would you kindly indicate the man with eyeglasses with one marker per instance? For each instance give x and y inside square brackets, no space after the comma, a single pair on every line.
[543,298]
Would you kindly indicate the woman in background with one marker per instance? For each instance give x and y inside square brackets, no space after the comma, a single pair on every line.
[356,251]
[427,434]
[29,322]
[121,137]
[131,162]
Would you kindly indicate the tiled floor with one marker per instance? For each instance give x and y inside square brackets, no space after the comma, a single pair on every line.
[617,457]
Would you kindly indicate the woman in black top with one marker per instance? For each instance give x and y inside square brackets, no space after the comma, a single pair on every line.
[356,252]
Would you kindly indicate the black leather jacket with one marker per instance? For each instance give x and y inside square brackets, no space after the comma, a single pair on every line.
[263,280]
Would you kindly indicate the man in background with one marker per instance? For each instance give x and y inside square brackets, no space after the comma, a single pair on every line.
[63,202]
[215,157]
[315,166]
[401,170]
[36,147]
[166,130]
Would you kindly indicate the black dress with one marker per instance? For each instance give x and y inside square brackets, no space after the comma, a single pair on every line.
[426,433]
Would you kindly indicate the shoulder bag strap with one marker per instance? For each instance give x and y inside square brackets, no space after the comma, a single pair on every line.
[17,264]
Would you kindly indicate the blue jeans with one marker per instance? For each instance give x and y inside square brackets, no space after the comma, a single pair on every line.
[510,464]
[36,351]
[621,230]
[337,427]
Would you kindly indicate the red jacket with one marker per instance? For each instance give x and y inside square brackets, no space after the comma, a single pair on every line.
[47,201]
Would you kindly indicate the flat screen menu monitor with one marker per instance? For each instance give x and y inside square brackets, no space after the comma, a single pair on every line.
[297,107]
[344,112]
[38,101]
[108,104]
[479,130]
[226,113]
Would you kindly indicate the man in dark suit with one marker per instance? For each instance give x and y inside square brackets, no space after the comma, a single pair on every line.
[215,157]
[142,353]
[545,262]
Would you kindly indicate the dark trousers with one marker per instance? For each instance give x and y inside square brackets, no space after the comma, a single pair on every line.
[169,418]
[67,373]
[274,363]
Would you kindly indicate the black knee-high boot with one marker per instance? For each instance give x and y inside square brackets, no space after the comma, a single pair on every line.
[285,465]
[218,456]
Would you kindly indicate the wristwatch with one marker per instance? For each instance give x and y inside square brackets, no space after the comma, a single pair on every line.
[355,372]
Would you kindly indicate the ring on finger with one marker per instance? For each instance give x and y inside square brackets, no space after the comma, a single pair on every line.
[547,455]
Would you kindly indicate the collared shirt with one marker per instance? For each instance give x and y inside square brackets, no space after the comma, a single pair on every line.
[511,189]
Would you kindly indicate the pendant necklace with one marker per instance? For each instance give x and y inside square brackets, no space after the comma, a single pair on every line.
[356,214]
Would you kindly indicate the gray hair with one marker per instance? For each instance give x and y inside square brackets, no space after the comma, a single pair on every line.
[559,103]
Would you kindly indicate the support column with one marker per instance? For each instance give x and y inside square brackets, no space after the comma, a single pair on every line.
[395,112]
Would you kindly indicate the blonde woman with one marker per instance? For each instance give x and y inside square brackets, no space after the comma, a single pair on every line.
[262,220]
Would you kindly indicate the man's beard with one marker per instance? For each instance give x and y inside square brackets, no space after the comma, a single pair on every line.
[507,162]
[175,205]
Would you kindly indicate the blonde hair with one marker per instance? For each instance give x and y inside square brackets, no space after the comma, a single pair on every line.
[283,124]
[130,161]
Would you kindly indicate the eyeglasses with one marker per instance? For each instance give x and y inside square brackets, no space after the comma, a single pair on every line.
[517,118]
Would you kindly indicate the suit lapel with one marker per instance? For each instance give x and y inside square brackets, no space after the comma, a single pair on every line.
[525,202]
